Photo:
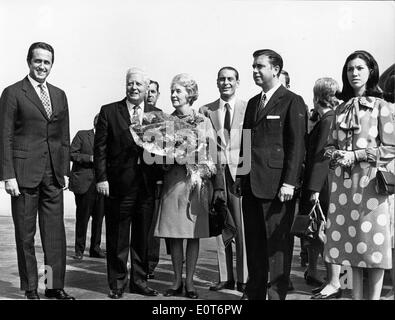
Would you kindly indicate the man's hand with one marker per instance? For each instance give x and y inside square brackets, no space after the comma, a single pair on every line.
[286,193]
[66,183]
[11,187]
[236,188]
[103,188]
[314,197]
[219,195]
[91,158]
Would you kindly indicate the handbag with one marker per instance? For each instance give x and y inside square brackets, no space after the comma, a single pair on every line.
[311,226]
[385,180]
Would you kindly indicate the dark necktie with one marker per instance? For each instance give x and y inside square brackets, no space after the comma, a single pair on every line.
[262,102]
[45,100]
[227,121]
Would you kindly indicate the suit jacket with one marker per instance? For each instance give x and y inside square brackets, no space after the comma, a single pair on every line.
[317,166]
[277,143]
[27,135]
[82,173]
[116,153]
[229,151]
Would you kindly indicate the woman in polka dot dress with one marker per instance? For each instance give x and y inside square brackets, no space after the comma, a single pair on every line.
[358,227]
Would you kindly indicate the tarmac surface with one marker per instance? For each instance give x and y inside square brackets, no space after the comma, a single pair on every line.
[87,279]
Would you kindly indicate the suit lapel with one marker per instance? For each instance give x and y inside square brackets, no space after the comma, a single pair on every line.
[214,116]
[31,94]
[91,137]
[123,110]
[238,115]
[276,97]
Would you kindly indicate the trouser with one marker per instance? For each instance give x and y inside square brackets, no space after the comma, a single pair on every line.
[267,232]
[47,200]
[89,204]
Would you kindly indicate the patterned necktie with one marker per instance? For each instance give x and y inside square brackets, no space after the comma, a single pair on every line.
[136,113]
[261,105]
[262,102]
[227,122]
[45,100]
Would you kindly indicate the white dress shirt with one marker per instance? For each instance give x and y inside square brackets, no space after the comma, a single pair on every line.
[131,110]
[36,86]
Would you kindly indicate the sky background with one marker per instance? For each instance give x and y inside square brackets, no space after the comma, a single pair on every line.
[96,41]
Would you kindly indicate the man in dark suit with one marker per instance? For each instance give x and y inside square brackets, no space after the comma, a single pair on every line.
[124,177]
[276,120]
[226,115]
[34,162]
[88,201]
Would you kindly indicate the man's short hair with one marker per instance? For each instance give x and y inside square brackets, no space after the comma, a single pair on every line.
[40,45]
[131,71]
[229,68]
[155,83]
[274,58]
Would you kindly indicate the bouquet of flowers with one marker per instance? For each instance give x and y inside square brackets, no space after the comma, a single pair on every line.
[176,140]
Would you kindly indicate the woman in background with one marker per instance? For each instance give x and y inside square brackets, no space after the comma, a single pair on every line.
[316,181]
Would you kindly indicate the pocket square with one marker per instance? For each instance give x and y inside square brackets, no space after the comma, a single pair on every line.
[272,117]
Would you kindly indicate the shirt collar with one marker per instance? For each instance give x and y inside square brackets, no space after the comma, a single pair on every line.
[131,105]
[231,103]
[270,93]
[35,83]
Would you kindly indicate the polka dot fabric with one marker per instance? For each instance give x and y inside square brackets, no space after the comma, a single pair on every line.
[359,220]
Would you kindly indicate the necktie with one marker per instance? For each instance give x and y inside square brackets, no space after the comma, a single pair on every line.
[136,113]
[45,100]
[227,122]
[262,102]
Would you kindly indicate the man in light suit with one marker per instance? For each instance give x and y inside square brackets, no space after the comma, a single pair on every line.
[130,185]
[88,202]
[226,115]
[276,120]
[34,162]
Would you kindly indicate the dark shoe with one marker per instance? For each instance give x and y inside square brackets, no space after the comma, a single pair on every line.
[244,296]
[318,290]
[150,275]
[223,285]
[335,295]
[173,292]
[32,295]
[311,281]
[58,294]
[78,256]
[290,286]
[145,291]
[97,254]
[116,293]
[241,286]
[191,294]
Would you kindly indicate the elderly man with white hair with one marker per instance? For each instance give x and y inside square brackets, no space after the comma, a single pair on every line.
[129,186]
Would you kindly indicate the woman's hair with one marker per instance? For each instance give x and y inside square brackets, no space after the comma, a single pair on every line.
[372,88]
[389,89]
[189,84]
[325,90]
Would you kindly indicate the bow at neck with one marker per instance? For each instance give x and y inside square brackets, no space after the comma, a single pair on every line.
[350,110]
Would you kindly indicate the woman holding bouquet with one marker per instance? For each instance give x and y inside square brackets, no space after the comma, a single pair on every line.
[186,195]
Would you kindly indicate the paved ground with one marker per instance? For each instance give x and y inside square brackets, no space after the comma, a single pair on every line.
[86,280]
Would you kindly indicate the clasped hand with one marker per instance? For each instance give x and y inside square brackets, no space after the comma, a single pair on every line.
[342,158]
